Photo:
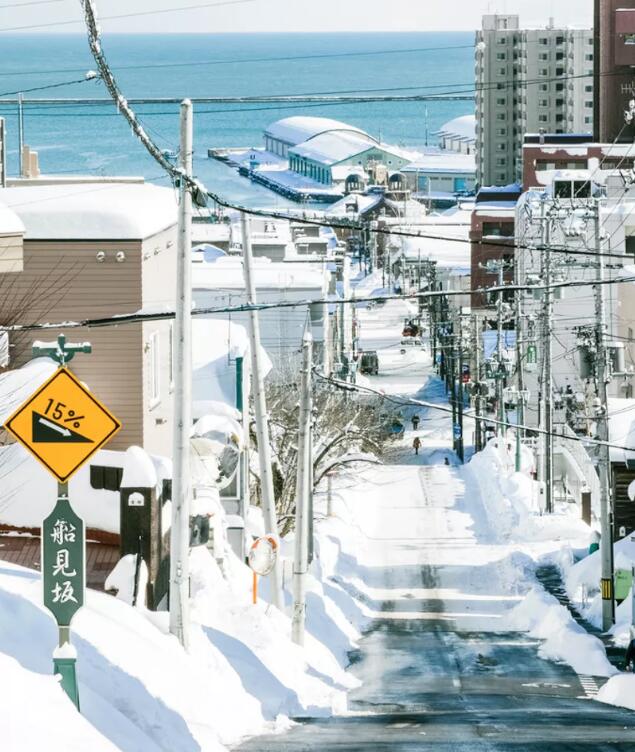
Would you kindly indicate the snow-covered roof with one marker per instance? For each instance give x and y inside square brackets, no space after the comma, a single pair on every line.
[10,223]
[227,274]
[460,127]
[216,343]
[18,385]
[448,246]
[112,211]
[444,161]
[622,428]
[294,130]
[360,202]
[334,146]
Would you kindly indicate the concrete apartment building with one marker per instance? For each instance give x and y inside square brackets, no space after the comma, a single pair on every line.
[93,251]
[527,81]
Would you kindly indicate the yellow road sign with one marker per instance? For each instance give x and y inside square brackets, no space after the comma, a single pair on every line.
[62,424]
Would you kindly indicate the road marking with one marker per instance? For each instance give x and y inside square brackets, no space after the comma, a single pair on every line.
[590,687]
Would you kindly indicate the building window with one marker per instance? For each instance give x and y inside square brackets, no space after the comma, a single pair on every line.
[105,478]
[501,56]
[588,89]
[543,102]
[544,71]
[543,87]
[501,101]
[630,248]
[543,56]
[502,71]
[588,57]
[588,120]
[543,41]
[501,131]
[501,146]
[155,370]
[588,103]
[542,118]
[501,116]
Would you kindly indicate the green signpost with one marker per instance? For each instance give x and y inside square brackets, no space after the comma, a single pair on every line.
[41,425]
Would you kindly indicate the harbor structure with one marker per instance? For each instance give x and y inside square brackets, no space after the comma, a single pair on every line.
[527,81]
[458,134]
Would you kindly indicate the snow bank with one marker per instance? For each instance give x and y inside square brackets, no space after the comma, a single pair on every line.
[582,580]
[18,385]
[138,469]
[55,727]
[619,690]
[544,617]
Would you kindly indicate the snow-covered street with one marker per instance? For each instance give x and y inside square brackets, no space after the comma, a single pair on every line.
[444,663]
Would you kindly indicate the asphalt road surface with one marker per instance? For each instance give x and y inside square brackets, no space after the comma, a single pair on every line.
[439,669]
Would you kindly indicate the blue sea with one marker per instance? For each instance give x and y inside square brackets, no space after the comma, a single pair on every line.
[96,140]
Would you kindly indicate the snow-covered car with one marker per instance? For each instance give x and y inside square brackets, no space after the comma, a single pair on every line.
[411,342]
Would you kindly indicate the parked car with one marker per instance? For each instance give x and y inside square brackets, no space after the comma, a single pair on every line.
[412,342]
[369,362]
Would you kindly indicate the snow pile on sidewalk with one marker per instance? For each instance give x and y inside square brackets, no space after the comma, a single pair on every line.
[544,617]
[619,690]
[582,581]
[140,691]
[512,502]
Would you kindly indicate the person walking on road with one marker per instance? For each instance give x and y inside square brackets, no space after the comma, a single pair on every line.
[415,422]
[416,444]
[629,661]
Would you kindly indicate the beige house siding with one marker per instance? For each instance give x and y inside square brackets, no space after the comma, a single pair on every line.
[64,281]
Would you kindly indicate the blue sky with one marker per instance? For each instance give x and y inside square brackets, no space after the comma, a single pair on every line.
[293,15]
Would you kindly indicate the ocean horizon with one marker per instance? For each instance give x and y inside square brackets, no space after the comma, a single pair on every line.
[92,138]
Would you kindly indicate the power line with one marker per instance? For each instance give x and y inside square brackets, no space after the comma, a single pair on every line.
[51,86]
[128,15]
[408,402]
[32,2]
[136,318]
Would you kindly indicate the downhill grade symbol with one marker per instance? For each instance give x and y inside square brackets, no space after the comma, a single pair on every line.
[62,424]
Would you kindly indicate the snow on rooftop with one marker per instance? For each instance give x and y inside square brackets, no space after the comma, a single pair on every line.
[18,385]
[114,211]
[444,161]
[227,274]
[622,428]
[294,130]
[333,147]
[461,127]
[10,223]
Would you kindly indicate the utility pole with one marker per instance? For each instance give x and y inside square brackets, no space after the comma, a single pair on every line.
[547,349]
[604,467]
[520,375]
[460,446]
[302,492]
[20,134]
[478,402]
[181,490]
[262,419]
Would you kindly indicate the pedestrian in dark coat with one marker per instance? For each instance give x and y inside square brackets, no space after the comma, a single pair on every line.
[416,444]
[415,422]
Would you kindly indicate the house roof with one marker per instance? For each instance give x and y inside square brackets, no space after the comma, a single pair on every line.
[10,223]
[111,211]
[227,274]
[460,127]
[443,162]
[294,130]
[333,147]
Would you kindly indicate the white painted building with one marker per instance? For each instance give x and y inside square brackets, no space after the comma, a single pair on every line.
[527,80]
[221,284]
